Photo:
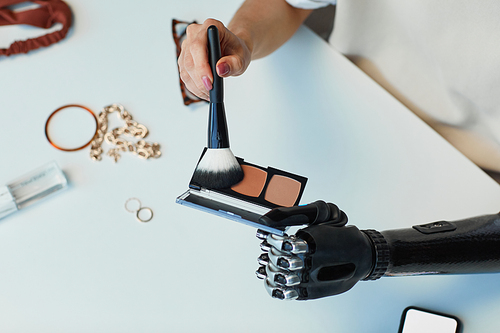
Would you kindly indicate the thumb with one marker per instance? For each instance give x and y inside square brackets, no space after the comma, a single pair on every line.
[230,66]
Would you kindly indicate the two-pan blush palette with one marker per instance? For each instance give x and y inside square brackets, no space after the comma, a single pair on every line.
[261,190]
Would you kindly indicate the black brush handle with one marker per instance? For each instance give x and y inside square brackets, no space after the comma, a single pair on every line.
[466,246]
[218,136]
[214,54]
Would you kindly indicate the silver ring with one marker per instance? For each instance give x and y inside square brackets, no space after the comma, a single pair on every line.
[144,208]
[133,211]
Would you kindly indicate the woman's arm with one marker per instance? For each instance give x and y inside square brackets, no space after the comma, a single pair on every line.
[265,25]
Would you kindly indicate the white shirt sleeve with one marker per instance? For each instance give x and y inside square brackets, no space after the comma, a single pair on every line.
[311,4]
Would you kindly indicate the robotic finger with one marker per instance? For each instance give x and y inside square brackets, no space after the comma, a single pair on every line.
[287,244]
[284,260]
[281,264]
[280,292]
[282,277]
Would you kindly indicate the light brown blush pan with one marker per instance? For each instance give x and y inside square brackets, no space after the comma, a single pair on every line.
[253,181]
[282,191]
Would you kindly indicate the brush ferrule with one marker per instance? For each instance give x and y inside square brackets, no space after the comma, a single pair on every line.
[218,136]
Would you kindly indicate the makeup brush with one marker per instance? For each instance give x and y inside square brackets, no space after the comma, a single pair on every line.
[217,168]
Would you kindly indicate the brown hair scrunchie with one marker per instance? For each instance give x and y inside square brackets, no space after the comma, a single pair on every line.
[45,16]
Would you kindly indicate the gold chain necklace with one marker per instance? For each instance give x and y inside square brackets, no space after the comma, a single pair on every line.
[141,148]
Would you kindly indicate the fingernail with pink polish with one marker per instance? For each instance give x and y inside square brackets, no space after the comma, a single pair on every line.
[207,83]
[223,69]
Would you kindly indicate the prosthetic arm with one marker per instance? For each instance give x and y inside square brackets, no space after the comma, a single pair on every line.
[329,257]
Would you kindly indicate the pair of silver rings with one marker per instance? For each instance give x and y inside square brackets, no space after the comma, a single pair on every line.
[129,207]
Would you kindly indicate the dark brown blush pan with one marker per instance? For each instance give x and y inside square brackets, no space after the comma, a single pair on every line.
[253,181]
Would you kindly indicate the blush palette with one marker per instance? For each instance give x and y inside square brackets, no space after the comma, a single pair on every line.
[261,190]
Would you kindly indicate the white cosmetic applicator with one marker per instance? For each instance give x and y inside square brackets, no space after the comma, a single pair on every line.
[218,168]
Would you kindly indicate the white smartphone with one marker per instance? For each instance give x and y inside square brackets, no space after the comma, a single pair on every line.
[418,320]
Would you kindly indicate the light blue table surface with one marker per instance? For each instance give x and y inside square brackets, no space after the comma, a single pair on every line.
[78,262]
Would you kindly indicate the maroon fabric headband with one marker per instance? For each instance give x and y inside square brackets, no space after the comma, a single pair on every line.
[45,16]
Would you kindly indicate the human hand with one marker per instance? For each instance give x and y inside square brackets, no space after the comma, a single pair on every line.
[326,258]
[194,67]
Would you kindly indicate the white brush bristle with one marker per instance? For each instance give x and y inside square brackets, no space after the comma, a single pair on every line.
[218,160]
[218,169]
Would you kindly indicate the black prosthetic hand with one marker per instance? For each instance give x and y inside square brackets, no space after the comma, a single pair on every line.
[328,258]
